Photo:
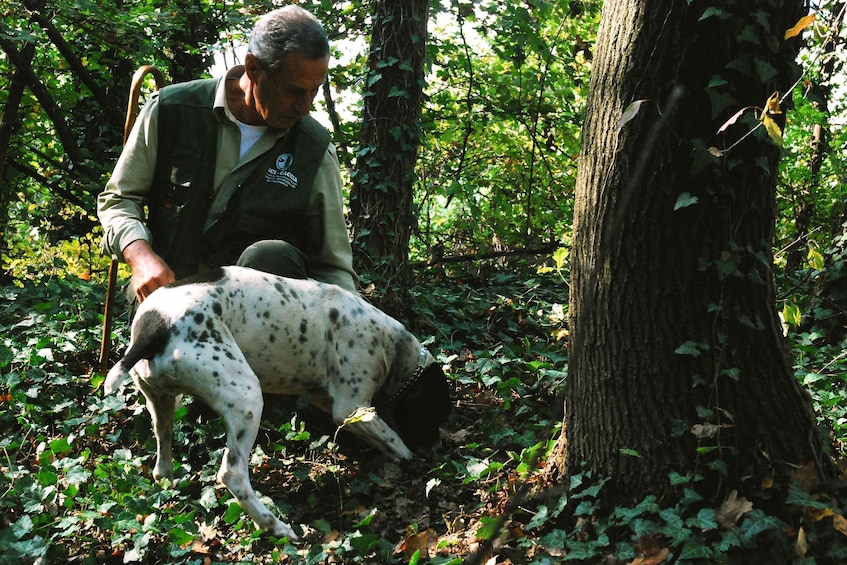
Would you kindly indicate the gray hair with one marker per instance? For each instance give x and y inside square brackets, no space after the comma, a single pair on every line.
[290,29]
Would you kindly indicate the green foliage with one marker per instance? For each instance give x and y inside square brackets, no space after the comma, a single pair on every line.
[76,473]
[501,132]
[76,465]
[502,124]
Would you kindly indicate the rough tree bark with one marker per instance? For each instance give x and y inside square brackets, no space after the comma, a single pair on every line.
[381,195]
[676,359]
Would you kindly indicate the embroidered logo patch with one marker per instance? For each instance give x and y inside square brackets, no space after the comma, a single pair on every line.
[283,162]
[281,174]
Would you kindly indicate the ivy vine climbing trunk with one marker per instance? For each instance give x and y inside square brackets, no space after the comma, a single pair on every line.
[381,195]
[676,358]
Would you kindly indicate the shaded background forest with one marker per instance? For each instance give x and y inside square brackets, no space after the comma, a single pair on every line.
[500,122]
[492,206]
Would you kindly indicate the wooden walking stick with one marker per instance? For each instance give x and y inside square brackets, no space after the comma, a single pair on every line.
[131,114]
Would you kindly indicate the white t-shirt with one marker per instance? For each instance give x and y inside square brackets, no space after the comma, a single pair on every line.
[249,136]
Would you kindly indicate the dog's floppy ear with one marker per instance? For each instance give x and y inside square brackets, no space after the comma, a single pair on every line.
[421,411]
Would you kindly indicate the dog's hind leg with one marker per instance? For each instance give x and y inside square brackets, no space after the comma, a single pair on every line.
[161,407]
[241,409]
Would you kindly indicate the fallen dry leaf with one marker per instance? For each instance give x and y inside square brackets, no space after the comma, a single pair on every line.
[651,559]
[418,542]
[652,553]
[767,482]
[731,509]
[818,514]
[801,546]
[839,522]
[806,476]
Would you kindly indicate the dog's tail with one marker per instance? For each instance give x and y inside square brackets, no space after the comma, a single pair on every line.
[150,335]
[116,377]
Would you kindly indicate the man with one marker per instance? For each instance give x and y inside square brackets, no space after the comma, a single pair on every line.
[234,171]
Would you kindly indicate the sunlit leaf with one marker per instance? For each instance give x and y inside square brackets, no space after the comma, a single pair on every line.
[772,105]
[801,24]
[816,259]
[773,129]
[361,414]
[791,314]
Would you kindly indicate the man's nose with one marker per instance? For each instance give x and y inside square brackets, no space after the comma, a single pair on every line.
[303,104]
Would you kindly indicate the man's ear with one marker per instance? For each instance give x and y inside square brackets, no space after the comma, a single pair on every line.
[251,66]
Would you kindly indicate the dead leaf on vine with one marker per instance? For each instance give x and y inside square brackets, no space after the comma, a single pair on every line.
[732,509]
[802,24]
[732,120]
[772,105]
[707,430]
[629,114]
[773,129]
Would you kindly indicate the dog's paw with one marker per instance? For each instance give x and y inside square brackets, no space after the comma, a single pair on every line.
[282,530]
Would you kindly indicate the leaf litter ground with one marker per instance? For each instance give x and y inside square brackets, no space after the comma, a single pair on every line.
[76,466]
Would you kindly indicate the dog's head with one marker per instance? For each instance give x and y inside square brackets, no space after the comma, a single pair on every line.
[417,415]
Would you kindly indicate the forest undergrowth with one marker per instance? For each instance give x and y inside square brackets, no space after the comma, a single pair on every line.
[75,466]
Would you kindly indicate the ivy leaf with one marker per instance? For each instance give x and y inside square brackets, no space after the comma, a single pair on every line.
[801,24]
[714,12]
[690,348]
[233,513]
[396,92]
[685,200]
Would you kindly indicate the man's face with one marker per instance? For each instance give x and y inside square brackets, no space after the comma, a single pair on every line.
[286,95]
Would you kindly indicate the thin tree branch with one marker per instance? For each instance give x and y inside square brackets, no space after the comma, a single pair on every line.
[73,61]
[54,186]
[41,93]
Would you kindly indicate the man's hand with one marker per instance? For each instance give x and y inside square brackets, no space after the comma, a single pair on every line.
[149,271]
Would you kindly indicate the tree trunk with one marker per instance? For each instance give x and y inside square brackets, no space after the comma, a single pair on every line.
[381,196]
[676,361]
